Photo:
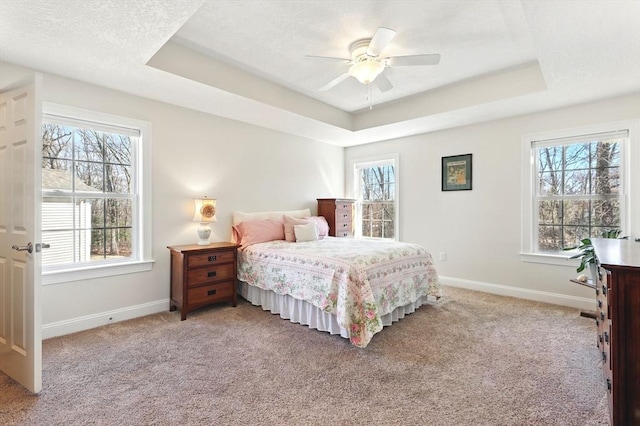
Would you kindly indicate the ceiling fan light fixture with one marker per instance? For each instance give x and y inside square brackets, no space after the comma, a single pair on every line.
[366,71]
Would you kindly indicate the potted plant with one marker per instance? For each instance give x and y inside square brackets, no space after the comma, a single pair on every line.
[587,255]
[587,258]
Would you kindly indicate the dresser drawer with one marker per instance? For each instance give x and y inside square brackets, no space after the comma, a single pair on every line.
[600,323]
[605,352]
[344,229]
[195,260]
[344,225]
[601,315]
[198,276]
[210,293]
[344,234]
[343,215]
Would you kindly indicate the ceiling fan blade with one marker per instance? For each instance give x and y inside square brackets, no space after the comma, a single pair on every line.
[328,57]
[334,82]
[383,83]
[380,39]
[403,61]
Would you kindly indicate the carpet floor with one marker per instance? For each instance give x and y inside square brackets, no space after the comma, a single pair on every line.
[470,359]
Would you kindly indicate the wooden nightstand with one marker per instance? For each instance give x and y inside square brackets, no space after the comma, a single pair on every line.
[202,275]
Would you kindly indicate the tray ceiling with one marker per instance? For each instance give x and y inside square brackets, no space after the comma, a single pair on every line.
[245,60]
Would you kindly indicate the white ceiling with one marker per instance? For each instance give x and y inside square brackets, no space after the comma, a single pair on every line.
[245,60]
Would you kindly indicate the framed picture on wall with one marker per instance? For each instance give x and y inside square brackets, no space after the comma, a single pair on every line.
[456,173]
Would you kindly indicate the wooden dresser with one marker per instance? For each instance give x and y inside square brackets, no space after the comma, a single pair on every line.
[618,320]
[202,275]
[339,214]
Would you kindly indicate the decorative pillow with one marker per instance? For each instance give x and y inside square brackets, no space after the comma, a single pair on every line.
[321,224]
[308,232]
[258,231]
[289,223]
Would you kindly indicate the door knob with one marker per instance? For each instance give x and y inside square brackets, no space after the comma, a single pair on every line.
[41,246]
[27,248]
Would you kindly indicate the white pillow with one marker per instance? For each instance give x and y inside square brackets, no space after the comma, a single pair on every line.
[308,232]
[270,215]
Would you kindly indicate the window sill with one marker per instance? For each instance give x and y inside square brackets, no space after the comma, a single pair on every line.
[550,259]
[97,271]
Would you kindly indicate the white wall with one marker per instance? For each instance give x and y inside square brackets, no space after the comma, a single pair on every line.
[250,168]
[479,230]
[193,154]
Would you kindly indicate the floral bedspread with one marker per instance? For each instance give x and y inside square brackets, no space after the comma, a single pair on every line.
[357,280]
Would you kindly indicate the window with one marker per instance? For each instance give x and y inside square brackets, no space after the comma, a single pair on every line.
[578,189]
[580,185]
[93,192]
[376,199]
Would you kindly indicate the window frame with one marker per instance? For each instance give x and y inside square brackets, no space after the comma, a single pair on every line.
[357,164]
[630,197]
[141,259]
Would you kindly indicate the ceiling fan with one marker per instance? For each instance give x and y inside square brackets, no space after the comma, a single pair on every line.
[367,62]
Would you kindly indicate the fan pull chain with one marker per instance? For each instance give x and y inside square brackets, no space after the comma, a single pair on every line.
[370,96]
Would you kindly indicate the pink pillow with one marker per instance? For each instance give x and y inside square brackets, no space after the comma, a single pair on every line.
[321,224]
[289,221]
[258,231]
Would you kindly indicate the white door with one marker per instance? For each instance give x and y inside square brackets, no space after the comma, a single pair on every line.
[20,271]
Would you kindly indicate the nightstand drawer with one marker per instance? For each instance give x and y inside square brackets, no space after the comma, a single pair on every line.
[200,276]
[210,293]
[196,260]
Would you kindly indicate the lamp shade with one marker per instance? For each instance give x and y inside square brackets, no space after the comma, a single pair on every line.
[205,210]
[366,71]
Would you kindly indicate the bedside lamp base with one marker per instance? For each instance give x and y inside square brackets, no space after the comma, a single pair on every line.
[204,232]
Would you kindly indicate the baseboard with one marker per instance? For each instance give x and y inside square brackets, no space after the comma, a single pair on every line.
[582,303]
[87,322]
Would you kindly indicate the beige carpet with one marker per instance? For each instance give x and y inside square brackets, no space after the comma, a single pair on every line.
[472,359]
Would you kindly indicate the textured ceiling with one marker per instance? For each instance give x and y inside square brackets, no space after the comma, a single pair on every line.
[272,39]
[245,60]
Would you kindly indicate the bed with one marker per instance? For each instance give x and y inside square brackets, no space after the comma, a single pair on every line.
[345,286]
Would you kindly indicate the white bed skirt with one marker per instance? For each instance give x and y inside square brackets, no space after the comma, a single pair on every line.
[304,313]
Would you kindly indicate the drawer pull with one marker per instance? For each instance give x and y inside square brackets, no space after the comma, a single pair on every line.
[609,385]
[212,258]
[600,338]
[597,321]
[604,290]
[211,274]
[604,356]
[602,316]
[344,225]
[211,292]
[345,215]
[606,337]
[597,292]
[599,303]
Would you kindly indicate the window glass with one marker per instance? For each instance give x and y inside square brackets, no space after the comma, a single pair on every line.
[376,189]
[89,196]
[578,189]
